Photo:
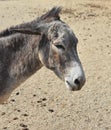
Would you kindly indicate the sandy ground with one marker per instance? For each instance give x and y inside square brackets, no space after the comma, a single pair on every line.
[43,102]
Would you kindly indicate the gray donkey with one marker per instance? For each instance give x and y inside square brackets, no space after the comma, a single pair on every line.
[45,41]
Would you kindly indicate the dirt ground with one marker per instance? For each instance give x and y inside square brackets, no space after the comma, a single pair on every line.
[43,102]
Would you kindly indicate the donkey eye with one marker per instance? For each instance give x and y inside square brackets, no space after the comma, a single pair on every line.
[55,34]
[60,47]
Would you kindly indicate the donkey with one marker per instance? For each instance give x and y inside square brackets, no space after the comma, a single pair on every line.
[46,41]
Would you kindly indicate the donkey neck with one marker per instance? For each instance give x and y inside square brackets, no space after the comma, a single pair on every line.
[20,54]
[26,60]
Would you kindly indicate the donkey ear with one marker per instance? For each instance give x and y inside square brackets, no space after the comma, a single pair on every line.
[38,30]
[54,13]
[26,31]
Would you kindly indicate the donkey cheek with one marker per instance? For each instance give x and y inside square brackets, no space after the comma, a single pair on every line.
[56,58]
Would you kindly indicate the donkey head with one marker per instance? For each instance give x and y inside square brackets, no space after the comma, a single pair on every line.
[57,48]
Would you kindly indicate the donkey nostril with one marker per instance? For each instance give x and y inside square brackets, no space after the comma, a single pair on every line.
[77,82]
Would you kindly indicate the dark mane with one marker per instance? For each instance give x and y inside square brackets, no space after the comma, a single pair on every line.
[51,15]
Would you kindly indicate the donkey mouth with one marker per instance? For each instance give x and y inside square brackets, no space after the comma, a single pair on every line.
[72,87]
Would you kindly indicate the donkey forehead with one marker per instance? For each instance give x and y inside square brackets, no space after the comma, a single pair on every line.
[59,26]
[62,32]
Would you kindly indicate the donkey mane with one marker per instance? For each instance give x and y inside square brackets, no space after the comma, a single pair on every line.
[51,15]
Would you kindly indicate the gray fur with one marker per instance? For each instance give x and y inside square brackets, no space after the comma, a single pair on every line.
[45,41]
